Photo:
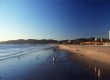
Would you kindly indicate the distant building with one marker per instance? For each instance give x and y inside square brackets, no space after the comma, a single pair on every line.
[109,34]
[95,39]
[101,39]
[69,41]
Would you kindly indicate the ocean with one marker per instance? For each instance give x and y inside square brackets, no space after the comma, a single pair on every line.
[35,62]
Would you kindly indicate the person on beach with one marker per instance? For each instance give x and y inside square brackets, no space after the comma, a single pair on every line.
[98,74]
[53,59]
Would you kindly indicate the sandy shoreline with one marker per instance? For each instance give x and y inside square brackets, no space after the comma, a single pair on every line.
[91,56]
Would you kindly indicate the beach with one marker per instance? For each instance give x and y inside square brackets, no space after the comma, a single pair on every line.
[52,62]
[93,57]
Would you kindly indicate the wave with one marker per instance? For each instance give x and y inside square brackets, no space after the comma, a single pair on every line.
[9,51]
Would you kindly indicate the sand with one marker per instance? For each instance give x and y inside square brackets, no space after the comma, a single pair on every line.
[91,56]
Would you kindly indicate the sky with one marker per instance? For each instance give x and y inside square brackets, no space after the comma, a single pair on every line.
[54,19]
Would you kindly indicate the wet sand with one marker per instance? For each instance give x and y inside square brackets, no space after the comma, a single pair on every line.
[62,69]
[39,65]
[91,56]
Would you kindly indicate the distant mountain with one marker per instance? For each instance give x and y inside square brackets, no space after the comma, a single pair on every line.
[29,41]
[51,41]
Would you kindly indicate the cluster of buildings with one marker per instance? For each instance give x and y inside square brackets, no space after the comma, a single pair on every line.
[88,41]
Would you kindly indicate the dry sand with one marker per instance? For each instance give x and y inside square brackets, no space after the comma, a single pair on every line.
[91,56]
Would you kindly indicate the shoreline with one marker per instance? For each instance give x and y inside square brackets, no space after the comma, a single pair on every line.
[91,57]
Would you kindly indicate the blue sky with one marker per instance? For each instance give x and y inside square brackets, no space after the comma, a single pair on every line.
[53,19]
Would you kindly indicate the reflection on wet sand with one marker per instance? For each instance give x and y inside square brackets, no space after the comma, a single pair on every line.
[44,64]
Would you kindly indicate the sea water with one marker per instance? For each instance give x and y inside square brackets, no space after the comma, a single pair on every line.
[34,62]
[16,61]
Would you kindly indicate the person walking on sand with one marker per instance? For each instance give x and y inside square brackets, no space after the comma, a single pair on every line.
[98,74]
[53,59]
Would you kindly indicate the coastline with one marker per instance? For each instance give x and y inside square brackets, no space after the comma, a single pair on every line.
[91,57]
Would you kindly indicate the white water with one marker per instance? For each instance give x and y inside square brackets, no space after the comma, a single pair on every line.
[8,51]
[16,61]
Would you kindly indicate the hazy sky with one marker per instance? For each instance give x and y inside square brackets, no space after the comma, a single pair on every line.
[53,19]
